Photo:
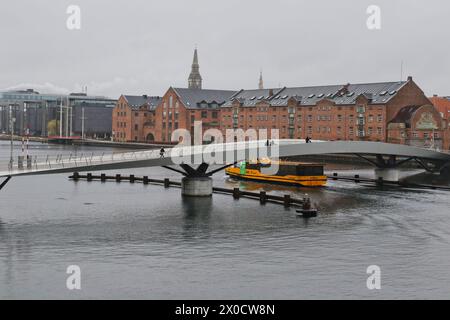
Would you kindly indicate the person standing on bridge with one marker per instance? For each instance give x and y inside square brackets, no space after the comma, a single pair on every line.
[162,152]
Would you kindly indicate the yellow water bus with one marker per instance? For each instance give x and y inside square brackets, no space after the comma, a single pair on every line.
[287,173]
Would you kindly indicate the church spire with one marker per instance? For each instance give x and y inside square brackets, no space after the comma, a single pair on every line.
[261,82]
[195,79]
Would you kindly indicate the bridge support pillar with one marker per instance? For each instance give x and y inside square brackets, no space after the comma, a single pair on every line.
[197,186]
[388,174]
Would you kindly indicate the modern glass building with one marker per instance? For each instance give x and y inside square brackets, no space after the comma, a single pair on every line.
[33,112]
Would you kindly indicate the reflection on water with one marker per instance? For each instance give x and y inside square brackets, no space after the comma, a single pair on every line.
[136,241]
[197,215]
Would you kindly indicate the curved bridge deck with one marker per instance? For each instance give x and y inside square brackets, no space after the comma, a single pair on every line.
[219,154]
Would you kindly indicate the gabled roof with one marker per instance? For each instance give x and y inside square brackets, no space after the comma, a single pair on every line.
[197,98]
[340,94]
[138,101]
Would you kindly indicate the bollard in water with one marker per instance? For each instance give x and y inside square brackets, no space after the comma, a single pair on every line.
[145,179]
[76,176]
[236,193]
[357,178]
[132,178]
[103,177]
[335,176]
[118,178]
[380,181]
[166,183]
[262,197]
[287,200]
[89,177]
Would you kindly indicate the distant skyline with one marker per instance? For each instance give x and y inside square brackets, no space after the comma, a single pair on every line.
[143,47]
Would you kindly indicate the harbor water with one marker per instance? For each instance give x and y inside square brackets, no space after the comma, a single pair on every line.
[147,242]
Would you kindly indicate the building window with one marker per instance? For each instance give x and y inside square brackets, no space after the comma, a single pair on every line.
[204,114]
[135,127]
[361,120]
[380,118]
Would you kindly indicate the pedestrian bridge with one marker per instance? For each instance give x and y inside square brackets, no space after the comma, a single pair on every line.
[381,155]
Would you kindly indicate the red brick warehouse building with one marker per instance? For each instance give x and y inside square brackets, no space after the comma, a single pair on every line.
[133,118]
[368,112]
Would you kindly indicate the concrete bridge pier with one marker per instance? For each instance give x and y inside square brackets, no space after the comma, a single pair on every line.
[197,186]
[197,182]
[387,174]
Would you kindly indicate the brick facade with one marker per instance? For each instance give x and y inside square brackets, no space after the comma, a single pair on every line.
[442,104]
[133,119]
[180,108]
[395,112]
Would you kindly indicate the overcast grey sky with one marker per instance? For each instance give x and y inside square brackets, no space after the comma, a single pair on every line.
[145,46]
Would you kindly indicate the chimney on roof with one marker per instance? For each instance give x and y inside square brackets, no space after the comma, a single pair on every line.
[270,92]
[410,78]
[145,96]
[435,95]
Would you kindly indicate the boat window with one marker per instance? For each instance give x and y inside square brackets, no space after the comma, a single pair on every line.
[309,170]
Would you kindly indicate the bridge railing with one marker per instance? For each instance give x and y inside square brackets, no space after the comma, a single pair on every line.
[73,160]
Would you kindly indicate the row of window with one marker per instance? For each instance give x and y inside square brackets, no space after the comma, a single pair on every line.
[311,129]
[359,109]
[169,125]
[309,118]
[170,104]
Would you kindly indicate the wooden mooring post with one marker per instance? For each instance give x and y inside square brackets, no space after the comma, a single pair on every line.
[262,197]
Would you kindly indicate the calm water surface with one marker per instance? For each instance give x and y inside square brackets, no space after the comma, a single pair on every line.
[136,241]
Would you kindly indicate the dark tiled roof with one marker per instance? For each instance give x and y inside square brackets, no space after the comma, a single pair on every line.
[203,98]
[340,94]
[138,101]
[404,115]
